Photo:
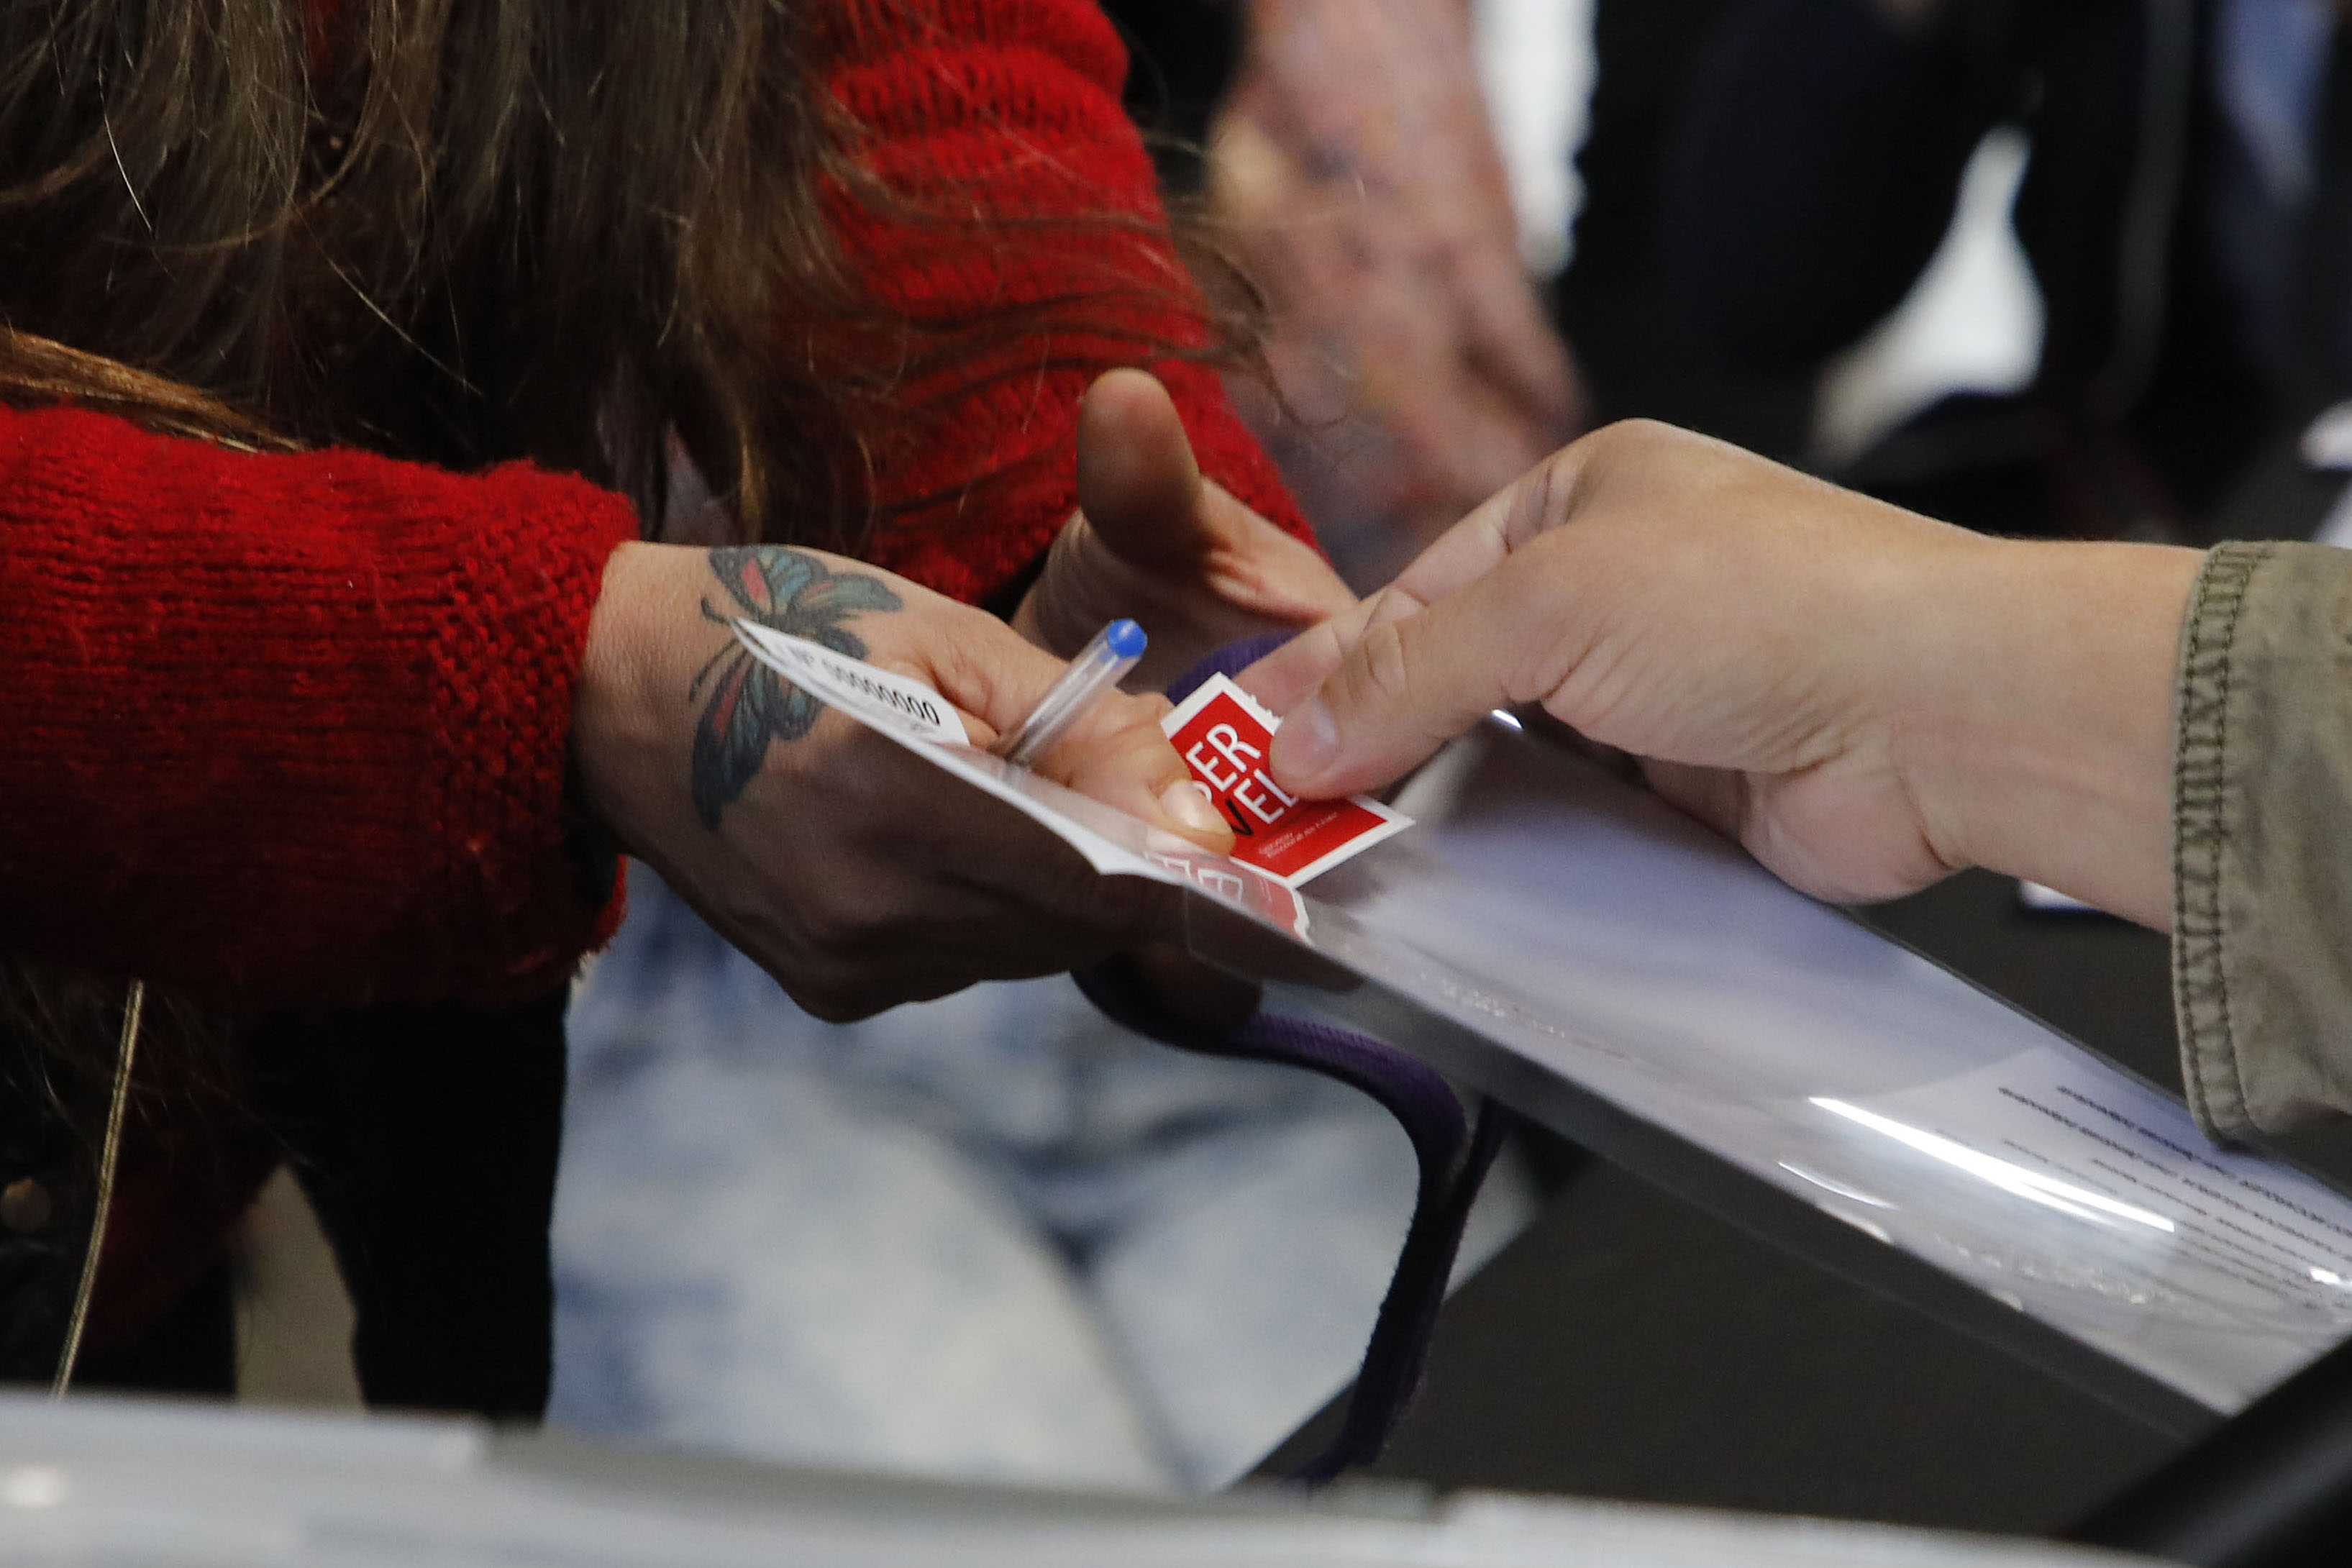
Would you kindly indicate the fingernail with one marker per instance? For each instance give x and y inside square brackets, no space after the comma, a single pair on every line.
[1307,742]
[1189,805]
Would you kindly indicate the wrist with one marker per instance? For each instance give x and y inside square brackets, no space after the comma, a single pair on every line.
[2036,729]
[624,711]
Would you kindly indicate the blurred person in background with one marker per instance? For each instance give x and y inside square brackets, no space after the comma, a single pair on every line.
[1353,162]
[2187,212]
[1639,355]
[1349,156]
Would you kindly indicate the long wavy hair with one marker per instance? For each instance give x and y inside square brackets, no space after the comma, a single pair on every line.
[468,230]
[463,231]
[453,230]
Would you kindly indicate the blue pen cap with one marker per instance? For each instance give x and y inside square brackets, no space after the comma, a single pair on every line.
[1125,639]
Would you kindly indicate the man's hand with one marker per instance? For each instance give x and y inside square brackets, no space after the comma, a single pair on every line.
[1154,540]
[1866,700]
[857,874]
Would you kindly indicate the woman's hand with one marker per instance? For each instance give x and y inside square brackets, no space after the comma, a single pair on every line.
[1154,540]
[855,873]
[1866,700]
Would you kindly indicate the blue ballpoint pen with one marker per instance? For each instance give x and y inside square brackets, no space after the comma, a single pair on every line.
[1099,666]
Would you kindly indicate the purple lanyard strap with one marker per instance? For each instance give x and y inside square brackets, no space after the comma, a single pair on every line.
[1453,1156]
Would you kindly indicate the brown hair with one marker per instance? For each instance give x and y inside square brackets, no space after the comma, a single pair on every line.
[454,231]
[469,230]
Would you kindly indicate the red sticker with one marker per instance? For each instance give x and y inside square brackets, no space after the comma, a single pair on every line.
[1224,738]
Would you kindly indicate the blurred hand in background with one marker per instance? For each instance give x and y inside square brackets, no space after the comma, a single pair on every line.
[1355,166]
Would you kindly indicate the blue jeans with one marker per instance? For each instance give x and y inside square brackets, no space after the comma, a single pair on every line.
[989,1237]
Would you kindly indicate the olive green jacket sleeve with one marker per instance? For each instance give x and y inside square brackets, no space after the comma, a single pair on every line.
[2261,825]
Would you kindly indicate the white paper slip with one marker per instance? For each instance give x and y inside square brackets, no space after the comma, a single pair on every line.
[881,698]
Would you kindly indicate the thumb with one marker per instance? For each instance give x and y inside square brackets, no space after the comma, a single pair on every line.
[1139,487]
[1407,687]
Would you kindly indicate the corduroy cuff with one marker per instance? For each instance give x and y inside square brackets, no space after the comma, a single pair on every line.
[2261,928]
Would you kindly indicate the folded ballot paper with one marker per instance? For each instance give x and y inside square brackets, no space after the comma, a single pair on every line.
[1557,937]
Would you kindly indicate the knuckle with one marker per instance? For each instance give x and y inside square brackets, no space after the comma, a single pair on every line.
[1129,723]
[1623,442]
[1630,435]
[1383,668]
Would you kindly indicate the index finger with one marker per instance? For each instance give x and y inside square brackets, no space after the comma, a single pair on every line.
[1115,752]
[1461,555]
[1119,754]
[1409,686]
[1530,505]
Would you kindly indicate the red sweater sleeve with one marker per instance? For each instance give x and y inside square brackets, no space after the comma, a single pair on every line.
[1019,188]
[290,729]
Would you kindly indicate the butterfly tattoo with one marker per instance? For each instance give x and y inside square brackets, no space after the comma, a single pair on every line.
[750,705]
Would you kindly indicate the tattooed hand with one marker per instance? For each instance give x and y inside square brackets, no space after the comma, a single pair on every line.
[857,874]
[748,707]
[1154,540]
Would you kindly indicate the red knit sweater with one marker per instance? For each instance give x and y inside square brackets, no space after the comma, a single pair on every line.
[292,730]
